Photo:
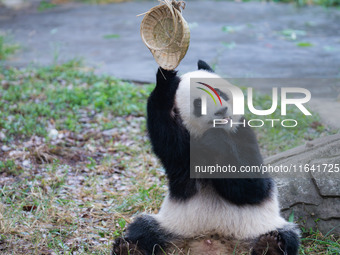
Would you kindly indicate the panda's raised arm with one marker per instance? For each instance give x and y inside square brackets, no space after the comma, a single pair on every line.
[169,138]
[163,96]
[166,132]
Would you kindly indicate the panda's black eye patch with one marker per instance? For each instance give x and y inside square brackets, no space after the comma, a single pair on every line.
[197,107]
[222,94]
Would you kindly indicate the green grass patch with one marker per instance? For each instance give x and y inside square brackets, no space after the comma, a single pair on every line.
[314,242]
[32,98]
[326,3]
[7,48]
[9,167]
[46,5]
[304,44]
[101,1]
[111,36]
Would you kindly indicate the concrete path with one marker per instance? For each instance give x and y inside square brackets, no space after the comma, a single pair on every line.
[239,39]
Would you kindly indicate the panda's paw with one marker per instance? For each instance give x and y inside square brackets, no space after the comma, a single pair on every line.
[271,243]
[122,246]
[163,74]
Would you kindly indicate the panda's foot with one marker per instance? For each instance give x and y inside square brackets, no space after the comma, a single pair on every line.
[124,247]
[271,243]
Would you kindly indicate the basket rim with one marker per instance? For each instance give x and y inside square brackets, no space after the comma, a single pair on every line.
[177,13]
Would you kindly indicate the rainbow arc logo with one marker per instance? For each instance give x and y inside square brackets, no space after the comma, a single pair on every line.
[209,93]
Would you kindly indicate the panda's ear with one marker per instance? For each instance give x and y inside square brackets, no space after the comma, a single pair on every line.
[202,65]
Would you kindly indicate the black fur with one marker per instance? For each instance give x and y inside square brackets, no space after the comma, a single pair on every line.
[201,65]
[291,241]
[147,235]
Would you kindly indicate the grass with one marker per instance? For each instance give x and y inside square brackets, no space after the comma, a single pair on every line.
[50,4]
[46,5]
[9,166]
[111,36]
[326,3]
[102,1]
[300,3]
[73,190]
[7,48]
[31,99]
[68,196]
[315,242]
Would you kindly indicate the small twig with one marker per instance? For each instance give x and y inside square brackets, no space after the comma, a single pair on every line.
[162,73]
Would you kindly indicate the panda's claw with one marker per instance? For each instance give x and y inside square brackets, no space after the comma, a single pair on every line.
[269,244]
[122,246]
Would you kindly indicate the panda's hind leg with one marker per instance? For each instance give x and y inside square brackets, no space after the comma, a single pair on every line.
[144,237]
[278,242]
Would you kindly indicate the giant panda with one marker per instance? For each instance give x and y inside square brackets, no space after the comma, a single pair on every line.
[205,216]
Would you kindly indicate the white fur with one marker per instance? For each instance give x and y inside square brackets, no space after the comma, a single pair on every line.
[185,97]
[207,212]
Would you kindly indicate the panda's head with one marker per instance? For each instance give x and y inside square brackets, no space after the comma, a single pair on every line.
[189,102]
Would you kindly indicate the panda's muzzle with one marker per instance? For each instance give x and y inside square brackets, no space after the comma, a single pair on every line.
[221,112]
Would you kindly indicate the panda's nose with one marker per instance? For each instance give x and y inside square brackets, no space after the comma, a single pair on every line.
[221,112]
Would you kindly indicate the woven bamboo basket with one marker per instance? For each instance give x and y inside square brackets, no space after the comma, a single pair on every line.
[166,33]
